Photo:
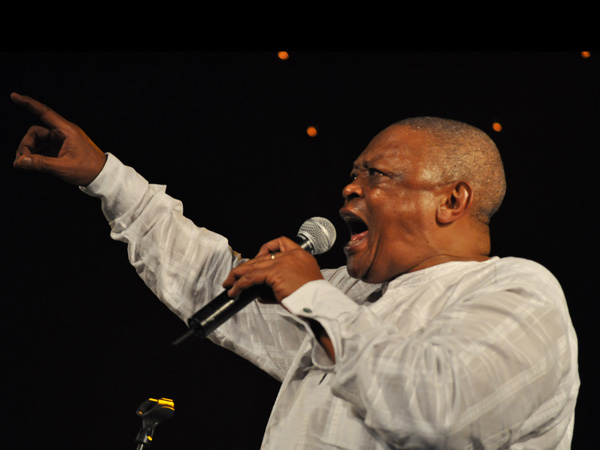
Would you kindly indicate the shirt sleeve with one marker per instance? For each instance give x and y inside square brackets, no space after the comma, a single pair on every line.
[498,364]
[184,265]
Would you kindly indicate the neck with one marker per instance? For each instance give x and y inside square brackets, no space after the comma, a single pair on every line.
[469,244]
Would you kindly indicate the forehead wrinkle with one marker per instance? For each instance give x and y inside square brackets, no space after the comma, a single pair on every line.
[404,151]
[420,167]
[391,157]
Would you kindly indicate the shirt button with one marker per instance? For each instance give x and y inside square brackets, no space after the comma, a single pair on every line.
[307,310]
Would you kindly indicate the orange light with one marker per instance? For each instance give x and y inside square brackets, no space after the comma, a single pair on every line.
[585,54]
[497,127]
[283,55]
[311,131]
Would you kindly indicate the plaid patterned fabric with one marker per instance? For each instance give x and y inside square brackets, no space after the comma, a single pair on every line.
[463,355]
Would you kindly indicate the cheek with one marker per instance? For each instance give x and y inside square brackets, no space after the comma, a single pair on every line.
[418,207]
[404,221]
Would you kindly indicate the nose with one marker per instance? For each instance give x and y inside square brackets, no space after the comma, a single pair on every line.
[351,190]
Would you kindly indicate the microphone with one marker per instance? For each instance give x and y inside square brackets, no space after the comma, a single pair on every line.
[316,235]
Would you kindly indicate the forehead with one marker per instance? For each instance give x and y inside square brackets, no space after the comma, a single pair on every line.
[396,146]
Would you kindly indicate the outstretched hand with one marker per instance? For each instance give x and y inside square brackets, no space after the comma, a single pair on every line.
[59,148]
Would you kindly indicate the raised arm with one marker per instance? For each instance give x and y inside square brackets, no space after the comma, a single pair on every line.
[183,264]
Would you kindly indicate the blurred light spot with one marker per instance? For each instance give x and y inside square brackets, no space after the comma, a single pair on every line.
[497,127]
[283,55]
[585,54]
[311,131]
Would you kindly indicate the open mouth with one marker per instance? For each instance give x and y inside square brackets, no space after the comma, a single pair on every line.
[357,227]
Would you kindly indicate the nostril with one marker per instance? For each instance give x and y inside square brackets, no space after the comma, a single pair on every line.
[351,191]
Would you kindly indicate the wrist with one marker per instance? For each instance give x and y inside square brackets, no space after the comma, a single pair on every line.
[96,166]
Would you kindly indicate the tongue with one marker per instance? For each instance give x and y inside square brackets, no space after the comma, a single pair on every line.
[359,236]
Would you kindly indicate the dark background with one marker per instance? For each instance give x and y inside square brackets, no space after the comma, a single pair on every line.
[85,342]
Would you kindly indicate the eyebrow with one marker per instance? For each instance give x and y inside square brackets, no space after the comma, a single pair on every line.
[375,163]
[365,164]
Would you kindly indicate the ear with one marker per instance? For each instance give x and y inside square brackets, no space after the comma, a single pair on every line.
[455,203]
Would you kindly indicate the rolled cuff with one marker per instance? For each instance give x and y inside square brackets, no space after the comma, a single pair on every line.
[119,187]
[320,301]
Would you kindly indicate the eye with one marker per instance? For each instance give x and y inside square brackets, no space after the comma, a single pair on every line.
[368,172]
[374,172]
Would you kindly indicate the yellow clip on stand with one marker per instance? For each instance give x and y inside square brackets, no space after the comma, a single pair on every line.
[153,412]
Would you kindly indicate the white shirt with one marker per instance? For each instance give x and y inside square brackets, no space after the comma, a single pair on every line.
[462,355]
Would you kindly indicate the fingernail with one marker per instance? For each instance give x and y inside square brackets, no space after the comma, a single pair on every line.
[26,161]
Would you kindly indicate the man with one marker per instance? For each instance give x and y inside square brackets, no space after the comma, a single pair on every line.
[422,341]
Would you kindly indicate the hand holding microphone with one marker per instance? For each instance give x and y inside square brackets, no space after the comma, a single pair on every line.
[281,264]
[280,267]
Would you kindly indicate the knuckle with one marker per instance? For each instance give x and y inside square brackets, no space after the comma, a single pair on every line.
[39,164]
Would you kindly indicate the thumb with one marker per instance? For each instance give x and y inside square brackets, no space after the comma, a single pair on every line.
[37,163]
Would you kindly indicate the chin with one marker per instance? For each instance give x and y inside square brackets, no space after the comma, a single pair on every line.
[353,273]
[359,274]
[353,270]
[372,280]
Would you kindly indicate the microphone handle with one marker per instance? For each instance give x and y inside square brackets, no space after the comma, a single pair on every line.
[220,309]
[223,307]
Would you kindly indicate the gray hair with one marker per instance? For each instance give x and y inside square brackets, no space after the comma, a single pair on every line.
[466,153]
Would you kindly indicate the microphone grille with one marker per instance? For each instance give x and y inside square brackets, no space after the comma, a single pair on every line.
[320,232]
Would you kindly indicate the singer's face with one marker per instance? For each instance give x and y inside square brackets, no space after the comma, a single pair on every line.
[390,205]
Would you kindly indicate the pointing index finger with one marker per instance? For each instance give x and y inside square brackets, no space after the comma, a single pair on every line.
[46,114]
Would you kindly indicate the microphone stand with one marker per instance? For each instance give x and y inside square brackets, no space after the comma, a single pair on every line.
[153,412]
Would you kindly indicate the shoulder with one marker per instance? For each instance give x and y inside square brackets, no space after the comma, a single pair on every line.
[526,270]
[500,276]
[525,279]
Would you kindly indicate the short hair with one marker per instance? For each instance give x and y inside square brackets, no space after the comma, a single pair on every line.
[469,154]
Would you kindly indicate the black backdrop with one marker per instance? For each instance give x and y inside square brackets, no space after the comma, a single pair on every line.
[84,340]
